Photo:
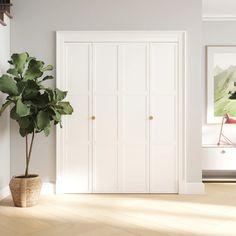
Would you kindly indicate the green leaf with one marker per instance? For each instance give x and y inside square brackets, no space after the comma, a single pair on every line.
[51,94]
[64,108]
[56,116]
[13,72]
[22,132]
[13,114]
[48,77]
[46,130]
[31,90]
[47,68]
[8,85]
[34,70]
[42,120]
[24,122]
[26,131]
[4,106]
[60,95]
[21,86]
[41,100]
[22,109]
[19,61]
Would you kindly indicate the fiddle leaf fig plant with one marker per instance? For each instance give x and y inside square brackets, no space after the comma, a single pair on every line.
[34,106]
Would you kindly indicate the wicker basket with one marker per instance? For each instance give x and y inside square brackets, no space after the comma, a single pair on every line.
[25,191]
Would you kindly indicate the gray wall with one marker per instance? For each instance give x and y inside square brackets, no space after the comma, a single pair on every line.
[33,30]
[216,33]
[4,119]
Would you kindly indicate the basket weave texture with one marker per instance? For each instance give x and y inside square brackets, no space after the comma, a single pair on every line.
[25,191]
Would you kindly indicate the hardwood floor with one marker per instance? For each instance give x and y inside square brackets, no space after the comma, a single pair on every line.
[211,214]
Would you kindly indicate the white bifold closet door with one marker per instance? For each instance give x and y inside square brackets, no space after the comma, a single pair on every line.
[122,136]
[134,114]
[163,127]
[105,110]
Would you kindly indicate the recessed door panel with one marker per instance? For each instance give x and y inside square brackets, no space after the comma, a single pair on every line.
[134,119]
[134,67]
[105,67]
[105,168]
[106,119]
[76,177]
[77,67]
[134,163]
[163,125]
[163,67]
[163,169]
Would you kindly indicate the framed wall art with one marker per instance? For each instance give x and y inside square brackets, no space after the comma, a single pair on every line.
[221,82]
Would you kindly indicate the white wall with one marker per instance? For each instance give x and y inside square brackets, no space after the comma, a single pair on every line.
[216,33]
[216,8]
[33,30]
[4,119]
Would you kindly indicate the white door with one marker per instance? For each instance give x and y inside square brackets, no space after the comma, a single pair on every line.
[163,123]
[77,133]
[134,157]
[124,134]
[105,112]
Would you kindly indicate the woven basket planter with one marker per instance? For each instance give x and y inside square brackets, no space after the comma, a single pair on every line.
[25,191]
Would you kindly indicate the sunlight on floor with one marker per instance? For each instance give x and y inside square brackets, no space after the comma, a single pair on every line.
[213,214]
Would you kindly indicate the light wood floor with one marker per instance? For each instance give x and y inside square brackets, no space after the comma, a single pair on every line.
[212,214]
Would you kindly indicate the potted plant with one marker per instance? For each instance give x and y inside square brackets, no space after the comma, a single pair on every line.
[35,108]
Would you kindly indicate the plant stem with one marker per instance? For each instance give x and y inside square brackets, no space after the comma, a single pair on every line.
[28,153]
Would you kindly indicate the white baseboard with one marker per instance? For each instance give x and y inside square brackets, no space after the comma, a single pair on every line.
[193,188]
[4,192]
[48,188]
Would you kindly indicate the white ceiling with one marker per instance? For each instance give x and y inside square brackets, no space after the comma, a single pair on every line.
[219,8]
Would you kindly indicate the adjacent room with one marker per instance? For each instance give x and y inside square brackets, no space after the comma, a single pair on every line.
[118,117]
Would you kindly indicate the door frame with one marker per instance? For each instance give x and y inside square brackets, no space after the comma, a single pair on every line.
[179,37]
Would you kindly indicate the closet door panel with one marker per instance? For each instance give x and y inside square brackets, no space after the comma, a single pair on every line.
[105,144]
[163,127]
[77,67]
[106,123]
[163,169]
[134,117]
[134,178]
[105,109]
[77,168]
[105,168]
[78,136]
[163,67]
[105,67]
[134,58]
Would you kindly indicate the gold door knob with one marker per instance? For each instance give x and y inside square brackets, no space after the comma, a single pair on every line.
[93,117]
[150,117]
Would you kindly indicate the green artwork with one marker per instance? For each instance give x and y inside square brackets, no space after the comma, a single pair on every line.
[224,87]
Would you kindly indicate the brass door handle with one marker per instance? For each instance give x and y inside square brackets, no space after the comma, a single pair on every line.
[151,117]
[93,117]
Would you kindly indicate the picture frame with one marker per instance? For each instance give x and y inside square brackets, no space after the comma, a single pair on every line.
[221,82]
